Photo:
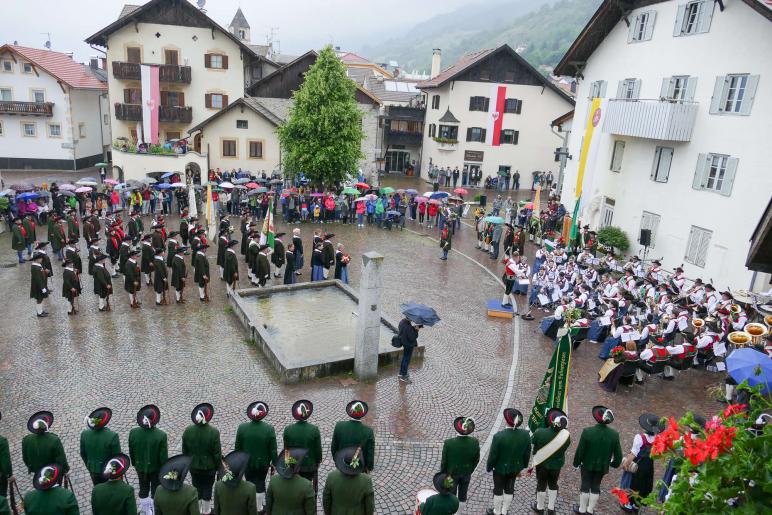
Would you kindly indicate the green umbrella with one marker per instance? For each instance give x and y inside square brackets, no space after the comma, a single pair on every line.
[350,191]
[102,165]
[386,190]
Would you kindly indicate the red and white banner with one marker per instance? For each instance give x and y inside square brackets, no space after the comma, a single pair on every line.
[495,115]
[151,102]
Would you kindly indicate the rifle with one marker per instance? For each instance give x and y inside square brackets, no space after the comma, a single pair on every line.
[164,300]
[17,505]
[134,302]
[182,290]
[206,290]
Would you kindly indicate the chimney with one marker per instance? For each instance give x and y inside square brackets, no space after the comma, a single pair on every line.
[436,62]
[93,62]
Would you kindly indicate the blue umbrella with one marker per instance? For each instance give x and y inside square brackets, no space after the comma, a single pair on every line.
[27,196]
[167,174]
[163,186]
[411,191]
[419,314]
[493,219]
[393,213]
[750,365]
[440,194]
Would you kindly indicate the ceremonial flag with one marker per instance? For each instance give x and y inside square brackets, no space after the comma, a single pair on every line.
[151,102]
[537,202]
[496,103]
[554,387]
[266,235]
[211,216]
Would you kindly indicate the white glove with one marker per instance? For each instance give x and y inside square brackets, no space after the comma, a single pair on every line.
[45,291]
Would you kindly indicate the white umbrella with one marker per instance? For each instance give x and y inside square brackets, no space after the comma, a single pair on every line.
[428,194]
[178,185]
[86,182]
[83,189]
[67,186]
[226,184]
[242,180]
[149,180]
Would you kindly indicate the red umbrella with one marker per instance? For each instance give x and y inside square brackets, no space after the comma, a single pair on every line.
[529,205]
[461,191]
[434,201]
[362,185]
[251,185]
[420,200]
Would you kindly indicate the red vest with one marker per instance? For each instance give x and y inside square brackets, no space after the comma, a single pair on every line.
[688,352]
[660,354]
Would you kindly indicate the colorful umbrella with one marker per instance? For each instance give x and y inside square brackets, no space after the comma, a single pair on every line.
[750,365]
[239,187]
[101,165]
[315,195]
[251,185]
[529,205]
[440,194]
[276,181]
[107,181]
[362,185]
[178,185]
[83,189]
[167,175]
[393,213]
[350,191]
[420,314]
[411,191]
[493,219]
[371,196]
[226,184]
[434,201]
[164,186]
[67,186]
[387,190]
[360,199]
[23,187]
[66,193]
[7,192]
[257,191]
[27,196]
[242,180]
[421,200]
[461,191]
[149,180]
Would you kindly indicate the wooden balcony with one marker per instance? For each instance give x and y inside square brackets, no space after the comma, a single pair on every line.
[663,120]
[166,72]
[403,138]
[174,114]
[27,108]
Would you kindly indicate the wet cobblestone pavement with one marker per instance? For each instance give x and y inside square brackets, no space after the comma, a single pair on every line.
[179,355]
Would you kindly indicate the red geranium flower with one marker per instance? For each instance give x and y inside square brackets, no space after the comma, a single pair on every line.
[664,441]
[734,409]
[621,495]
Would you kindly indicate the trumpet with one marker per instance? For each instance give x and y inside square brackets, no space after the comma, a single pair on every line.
[768,322]
[756,332]
[698,324]
[739,339]
[735,309]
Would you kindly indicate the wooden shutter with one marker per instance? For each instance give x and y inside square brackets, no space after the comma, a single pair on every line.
[208,100]
[207,61]
[705,16]
[731,170]
[127,96]
[514,139]
[691,87]
[679,21]
[225,62]
[133,55]
[483,134]
[224,101]
[486,104]
[471,103]
[636,88]
[164,98]
[718,94]
[700,172]
[750,93]
[664,90]
[519,106]
[469,134]
[649,30]
[181,99]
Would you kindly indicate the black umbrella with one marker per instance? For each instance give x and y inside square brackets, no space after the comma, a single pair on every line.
[277,181]
[420,314]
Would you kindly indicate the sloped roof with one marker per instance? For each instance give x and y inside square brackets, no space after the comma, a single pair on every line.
[248,102]
[563,118]
[352,58]
[261,50]
[60,66]
[284,58]
[449,118]
[239,20]
[384,89]
[128,9]
[456,68]
[359,75]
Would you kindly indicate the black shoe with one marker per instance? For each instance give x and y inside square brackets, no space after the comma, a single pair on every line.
[668,378]
[576,509]
[551,512]
[537,510]
[489,511]
[42,315]
[202,300]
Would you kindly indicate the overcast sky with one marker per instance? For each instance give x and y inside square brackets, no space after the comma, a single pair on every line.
[302,24]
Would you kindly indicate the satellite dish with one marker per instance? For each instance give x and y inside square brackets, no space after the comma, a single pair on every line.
[201,4]
[48,45]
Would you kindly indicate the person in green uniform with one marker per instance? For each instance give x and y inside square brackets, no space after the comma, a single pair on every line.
[179,271]
[550,444]
[123,253]
[262,266]
[257,438]
[460,456]
[6,468]
[146,262]
[71,252]
[115,496]
[40,247]
[175,497]
[73,226]
[30,232]
[42,447]
[160,278]
[136,227]
[19,239]
[598,446]
[148,450]
[184,226]
[171,248]
[509,454]
[201,441]
[302,435]
[201,271]
[131,278]
[231,267]
[347,490]
[48,498]
[444,502]
[233,495]
[38,283]
[157,237]
[253,249]
[5,509]
[71,287]
[222,244]
[89,231]
[57,235]
[103,283]
[289,492]
[97,443]
[353,433]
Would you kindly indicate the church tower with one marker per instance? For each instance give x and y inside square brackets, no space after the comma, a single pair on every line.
[239,26]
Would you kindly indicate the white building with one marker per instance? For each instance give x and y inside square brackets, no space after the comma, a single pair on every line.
[53,111]
[680,148]
[466,125]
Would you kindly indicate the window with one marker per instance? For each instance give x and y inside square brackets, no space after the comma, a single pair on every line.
[229,148]
[215,100]
[172,98]
[479,103]
[26,67]
[693,18]
[597,89]
[171,57]
[432,130]
[475,134]
[513,105]
[509,137]
[172,135]
[509,76]
[6,95]
[628,89]
[81,130]
[242,34]
[29,129]
[8,66]
[242,124]
[448,132]
[642,27]
[216,61]
[435,101]
[38,95]
[485,74]
[697,246]
[650,221]
[133,54]
[616,156]
[2,130]
[132,96]
[607,211]
[734,94]
[715,172]
[256,149]
[678,88]
[54,130]
[660,170]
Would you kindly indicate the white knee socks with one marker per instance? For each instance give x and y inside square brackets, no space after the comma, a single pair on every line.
[260,501]
[178,294]
[592,502]
[505,505]
[584,498]
[101,303]
[497,502]
[552,496]
[158,298]
[39,308]
[200,292]
[540,497]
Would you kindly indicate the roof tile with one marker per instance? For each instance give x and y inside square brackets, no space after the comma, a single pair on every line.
[464,62]
[60,65]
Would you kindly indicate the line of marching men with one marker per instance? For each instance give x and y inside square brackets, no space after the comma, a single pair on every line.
[238,483]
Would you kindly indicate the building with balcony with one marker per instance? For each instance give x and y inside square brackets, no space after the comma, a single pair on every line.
[490,112]
[54,113]
[680,144]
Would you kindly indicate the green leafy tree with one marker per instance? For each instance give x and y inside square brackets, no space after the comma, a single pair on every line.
[613,237]
[323,135]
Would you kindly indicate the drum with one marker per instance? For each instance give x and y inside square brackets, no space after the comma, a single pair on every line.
[421,497]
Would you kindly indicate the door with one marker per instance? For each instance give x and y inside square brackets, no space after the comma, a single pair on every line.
[197,142]
[607,212]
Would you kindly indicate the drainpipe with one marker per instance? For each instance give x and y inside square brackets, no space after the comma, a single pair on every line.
[102,128]
[563,158]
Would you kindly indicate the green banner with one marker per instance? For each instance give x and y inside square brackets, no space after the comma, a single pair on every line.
[554,387]
[574,228]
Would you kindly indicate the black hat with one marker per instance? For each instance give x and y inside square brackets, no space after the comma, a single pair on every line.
[17,219]
[513,417]
[556,418]
[47,477]
[148,416]
[116,466]
[135,252]
[159,251]
[350,461]
[463,425]
[232,468]
[656,262]
[650,423]
[100,257]
[73,241]
[279,234]
[443,482]
[40,422]
[257,411]
[181,249]
[126,237]
[172,234]
[328,236]
[288,461]
[147,237]
[357,409]
[263,247]
[41,245]
[602,414]
[302,409]
[233,243]
[202,413]
[172,473]
[99,418]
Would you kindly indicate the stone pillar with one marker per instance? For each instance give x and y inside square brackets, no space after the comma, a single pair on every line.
[369,321]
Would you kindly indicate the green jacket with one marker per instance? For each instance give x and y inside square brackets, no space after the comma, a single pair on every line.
[460,455]
[258,439]
[303,435]
[290,496]
[202,443]
[31,229]
[179,272]
[54,501]
[148,449]
[181,502]
[39,450]
[113,498]
[348,495]
[97,446]
[510,451]
[6,469]
[440,504]
[598,446]
[4,508]
[18,242]
[239,500]
[353,433]
[38,283]
[542,437]
[230,266]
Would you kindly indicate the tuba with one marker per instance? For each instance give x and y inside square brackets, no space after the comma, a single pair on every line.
[698,324]
[739,339]
[756,332]
[768,322]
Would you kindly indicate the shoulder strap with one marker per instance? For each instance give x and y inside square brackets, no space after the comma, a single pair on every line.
[551,448]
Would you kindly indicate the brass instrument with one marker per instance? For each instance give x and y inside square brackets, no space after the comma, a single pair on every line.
[768,322]
[699,325]
[739,339]
[735,309]
[756,332]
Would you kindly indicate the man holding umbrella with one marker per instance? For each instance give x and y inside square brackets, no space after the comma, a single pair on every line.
[416,316]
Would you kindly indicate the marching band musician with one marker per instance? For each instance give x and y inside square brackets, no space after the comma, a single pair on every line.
[654,271]
[712,299]
[707,340]
[658,353]
[738,318]
[678,280]
[696,294]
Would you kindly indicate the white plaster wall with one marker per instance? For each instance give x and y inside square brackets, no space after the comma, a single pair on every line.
[259,128]
[85,109]
[137,166]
